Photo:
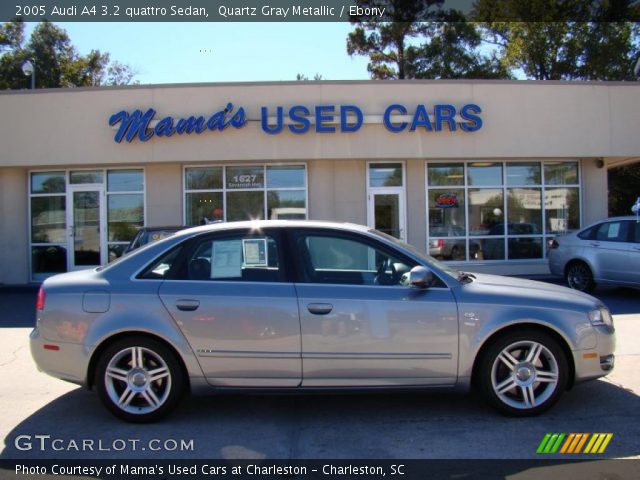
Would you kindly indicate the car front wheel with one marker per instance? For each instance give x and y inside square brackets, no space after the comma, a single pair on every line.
[139,379]
[523,373]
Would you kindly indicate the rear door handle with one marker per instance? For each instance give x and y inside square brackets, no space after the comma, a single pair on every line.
[595,244]
[187,305]
[320,308]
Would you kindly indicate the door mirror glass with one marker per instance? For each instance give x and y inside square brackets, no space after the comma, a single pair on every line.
[420,277]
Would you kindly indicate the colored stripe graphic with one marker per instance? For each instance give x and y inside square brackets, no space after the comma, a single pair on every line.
[574,443]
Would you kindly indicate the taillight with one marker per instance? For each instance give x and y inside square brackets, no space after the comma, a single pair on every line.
[40,299]
[440,243]
[551,244]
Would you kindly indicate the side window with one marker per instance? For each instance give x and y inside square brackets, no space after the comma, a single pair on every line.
[636,237]
[235,258]
[348,261]
[160,268]
[613,232]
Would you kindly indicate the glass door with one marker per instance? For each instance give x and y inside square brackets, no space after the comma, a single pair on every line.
[86,220]
[386,195]
[387,212]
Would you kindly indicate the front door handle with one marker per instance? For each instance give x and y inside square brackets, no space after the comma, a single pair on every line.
[320,308]
[187,305]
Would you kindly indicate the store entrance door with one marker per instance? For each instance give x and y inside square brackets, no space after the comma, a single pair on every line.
[86,220]
[387,212]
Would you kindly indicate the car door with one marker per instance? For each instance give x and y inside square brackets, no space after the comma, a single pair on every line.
[232,300]
[360,326]
[609,250]
[633,255]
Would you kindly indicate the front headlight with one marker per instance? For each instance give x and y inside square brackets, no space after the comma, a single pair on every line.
[601,316]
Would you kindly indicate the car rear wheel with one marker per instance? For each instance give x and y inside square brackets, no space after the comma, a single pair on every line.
[579,277]
[139,379]
[523,373]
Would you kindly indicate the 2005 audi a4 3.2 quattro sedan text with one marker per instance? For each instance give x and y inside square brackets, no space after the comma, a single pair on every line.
[310,306]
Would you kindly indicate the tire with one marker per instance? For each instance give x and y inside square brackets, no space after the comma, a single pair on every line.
[125,379]
[523,374]
[579,277]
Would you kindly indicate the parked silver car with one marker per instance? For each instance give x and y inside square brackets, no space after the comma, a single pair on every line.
[310,306]
[604,253]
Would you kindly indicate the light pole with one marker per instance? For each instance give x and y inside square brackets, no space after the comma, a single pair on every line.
[29,69]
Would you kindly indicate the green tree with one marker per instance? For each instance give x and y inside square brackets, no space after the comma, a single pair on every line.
[445,46]
[624,189]
[57,62]
[567,40]
[453,51]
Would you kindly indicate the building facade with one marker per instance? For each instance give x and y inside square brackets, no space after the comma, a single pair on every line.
[476,173]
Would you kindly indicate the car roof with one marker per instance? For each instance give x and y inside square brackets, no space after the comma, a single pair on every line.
[262,224]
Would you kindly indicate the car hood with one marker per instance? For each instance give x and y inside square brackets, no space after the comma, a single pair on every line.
[529,292]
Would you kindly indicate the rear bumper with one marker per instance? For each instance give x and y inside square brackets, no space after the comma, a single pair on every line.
[66,361]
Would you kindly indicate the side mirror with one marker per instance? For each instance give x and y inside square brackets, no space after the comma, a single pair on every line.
[420,277]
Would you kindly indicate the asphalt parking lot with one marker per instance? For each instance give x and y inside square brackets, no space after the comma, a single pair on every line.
[436,425]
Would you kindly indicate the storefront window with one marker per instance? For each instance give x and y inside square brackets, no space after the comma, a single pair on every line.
[69,211]
[125,181]
[484,174]
[125,209]
[508,220]
[207,178]
[385,175]
[441,175]
[125,215]
[48,182]
[86,176]
[236,193]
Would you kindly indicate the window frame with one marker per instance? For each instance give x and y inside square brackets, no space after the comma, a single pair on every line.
[67,177]
[296,234]
[179,272]
[505,187]
[224,190]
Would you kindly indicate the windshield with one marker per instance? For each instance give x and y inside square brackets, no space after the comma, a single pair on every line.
[429,261]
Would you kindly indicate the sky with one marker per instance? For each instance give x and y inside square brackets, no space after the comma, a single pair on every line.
[223,52]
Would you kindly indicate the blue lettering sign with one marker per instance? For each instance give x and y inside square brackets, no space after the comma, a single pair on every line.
[136,124]
[387,118]
[324,113]
[345,126]
[421,119]
[272,130]
[299,114]
[473,121]
[132,124]
[445,114]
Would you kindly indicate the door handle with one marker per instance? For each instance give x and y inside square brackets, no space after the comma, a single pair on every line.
[595,244]
[319,308]
[187,305]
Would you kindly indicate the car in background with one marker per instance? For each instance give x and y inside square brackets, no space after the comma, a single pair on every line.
[604,253]
[447,248]
[151,234]
[301,306]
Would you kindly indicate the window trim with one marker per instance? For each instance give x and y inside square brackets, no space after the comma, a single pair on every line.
[67,177]
[224,190]
[543,235]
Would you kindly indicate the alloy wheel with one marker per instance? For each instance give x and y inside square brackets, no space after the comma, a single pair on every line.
[524,375]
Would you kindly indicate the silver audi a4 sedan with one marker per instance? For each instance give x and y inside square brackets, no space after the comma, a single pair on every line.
[302,306]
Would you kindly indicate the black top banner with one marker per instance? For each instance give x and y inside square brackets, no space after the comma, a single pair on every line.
[321,10]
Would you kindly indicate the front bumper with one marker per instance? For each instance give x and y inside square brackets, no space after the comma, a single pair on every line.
[599,361]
